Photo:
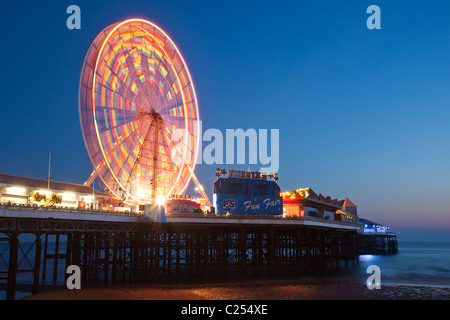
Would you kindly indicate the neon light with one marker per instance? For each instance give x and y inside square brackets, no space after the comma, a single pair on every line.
[296,194]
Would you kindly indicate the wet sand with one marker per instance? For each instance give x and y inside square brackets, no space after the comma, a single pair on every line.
[251,290]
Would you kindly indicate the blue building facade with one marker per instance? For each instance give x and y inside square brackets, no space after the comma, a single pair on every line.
[248,193]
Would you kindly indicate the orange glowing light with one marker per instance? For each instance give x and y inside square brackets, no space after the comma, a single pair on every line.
[296,194]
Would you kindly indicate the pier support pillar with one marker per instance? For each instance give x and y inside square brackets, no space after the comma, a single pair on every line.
[12,267]
[37,264]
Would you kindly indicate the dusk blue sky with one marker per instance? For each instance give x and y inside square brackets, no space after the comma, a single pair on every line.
[362,113]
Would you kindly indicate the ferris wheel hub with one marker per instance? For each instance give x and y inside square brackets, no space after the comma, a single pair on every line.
[153,115]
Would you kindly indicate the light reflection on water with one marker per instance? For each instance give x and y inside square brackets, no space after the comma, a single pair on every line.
[414,264]
[367,257]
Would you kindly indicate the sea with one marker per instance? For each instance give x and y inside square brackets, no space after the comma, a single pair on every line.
[415,264]
[424,264]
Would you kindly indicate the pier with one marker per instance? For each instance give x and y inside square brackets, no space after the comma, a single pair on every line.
[125,249]
[377,243]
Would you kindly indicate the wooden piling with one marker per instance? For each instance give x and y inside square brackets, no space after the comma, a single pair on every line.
[37,263]
[12,267]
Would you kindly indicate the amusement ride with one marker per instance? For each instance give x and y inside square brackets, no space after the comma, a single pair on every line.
[139,114]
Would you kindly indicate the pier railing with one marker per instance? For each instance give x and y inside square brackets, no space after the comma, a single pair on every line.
[205,217]
[15,206]
[211,217]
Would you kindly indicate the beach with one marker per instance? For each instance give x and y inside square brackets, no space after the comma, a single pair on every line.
[252,290]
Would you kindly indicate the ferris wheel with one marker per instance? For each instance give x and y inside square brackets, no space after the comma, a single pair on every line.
[139,113]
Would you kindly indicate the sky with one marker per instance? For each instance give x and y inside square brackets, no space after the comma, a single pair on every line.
[361,113]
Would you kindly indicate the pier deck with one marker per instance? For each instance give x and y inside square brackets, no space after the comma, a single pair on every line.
[124,248]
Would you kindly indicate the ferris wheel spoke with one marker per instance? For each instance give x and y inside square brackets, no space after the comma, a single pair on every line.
[146,68]
[132,68]
[175,122]
[108,67]
[128,111]
[179,118]
[116,119]
[121,142]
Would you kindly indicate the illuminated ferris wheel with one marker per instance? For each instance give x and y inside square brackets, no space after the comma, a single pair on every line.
[139,113]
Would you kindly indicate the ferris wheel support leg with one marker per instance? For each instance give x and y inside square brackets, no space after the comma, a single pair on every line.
[199,186]
[94,174]
[91,178]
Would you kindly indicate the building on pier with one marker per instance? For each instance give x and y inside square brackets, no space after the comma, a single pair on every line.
[246,193]
[370,227]
[348,212]
[307,203]
[27,191]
